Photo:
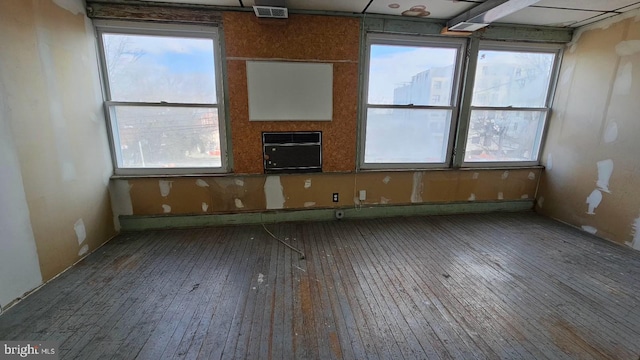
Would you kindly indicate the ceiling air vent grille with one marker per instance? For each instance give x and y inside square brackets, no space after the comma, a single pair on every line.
[271,12]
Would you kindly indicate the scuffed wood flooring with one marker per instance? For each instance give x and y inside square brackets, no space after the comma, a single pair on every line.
[486,286]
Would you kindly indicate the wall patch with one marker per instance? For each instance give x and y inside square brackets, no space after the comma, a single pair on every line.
[274,193]
[593,200]
[605,169]
[416,190]
[81,231]
[239,203]
[165,187]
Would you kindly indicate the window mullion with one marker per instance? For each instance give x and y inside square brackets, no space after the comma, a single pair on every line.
[464,114]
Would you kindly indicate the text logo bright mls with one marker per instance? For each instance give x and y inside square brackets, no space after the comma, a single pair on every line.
[29,350]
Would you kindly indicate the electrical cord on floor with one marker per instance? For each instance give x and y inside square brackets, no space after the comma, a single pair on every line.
[284,243]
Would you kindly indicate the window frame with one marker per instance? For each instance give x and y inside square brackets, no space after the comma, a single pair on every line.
[557,50]
[454,105]
[168,30]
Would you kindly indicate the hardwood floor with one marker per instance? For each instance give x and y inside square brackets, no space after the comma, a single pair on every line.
[483,286]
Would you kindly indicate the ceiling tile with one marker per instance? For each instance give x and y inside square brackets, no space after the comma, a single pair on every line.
[608,5]
[592,20]
[351,6]
[439,9]
[547,17]
[202,2]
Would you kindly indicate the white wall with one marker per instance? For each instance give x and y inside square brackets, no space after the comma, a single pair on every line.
[19,270]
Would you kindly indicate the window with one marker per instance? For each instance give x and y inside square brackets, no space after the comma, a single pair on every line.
[411,101]
[163,91]
[510,104]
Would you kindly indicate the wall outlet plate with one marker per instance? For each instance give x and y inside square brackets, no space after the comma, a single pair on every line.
[363,195]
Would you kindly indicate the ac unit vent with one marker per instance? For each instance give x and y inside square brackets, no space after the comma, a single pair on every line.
[271,12]
[292,152]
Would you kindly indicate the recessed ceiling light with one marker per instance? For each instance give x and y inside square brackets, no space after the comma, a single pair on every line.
[394,6]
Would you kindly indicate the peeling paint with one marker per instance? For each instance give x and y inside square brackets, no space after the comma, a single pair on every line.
[205,207]
[611,132]
[593,200]
[532,175]
[239,203]
[472,197]
[81,231]
[628,47]
[273,192]
[500,196]
[605,169]
[475,175]
[165,187]
[202,183]
[589,229]
[624,79]
[416,190]
[309,204]
[307,183]
[166,208]
[524,196]
[83,250]
[260,278]
[505,175]
[384,200]
[386,179]
[239,182]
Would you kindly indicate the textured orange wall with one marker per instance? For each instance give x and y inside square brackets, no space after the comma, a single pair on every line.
[333,40]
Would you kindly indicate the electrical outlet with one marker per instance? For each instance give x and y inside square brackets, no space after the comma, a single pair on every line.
[335,197]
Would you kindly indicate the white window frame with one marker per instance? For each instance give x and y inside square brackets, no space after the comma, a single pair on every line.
[418,41]
[187,31]
[556,49]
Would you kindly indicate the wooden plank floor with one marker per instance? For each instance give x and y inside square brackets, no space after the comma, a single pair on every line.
[484,286]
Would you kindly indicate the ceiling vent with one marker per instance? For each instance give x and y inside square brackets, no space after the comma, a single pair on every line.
[487,12]
[271,9]
[271,12]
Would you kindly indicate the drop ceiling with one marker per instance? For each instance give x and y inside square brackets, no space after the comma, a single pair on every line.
[557,13]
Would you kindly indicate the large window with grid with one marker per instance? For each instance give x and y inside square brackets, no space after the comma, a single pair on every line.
[410,101]
[511,100]
[163,96]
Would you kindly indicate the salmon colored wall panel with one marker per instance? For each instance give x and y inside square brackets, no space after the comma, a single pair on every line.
[301,37]
[334,40]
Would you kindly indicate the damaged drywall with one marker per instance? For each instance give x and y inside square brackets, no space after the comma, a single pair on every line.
[48,63]
[275,192]
[591,177]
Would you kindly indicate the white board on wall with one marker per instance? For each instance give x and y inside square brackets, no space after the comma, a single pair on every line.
[290,91]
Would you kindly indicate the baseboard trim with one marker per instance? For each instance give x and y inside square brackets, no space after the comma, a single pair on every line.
[137,223]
